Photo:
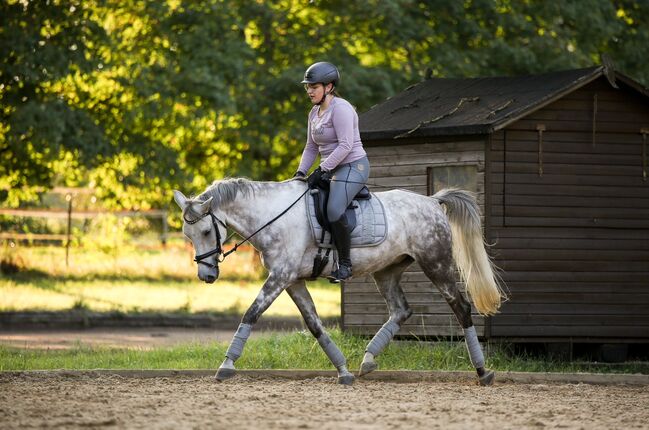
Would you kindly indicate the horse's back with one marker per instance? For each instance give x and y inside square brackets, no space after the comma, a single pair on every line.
[410,213]
[404,201]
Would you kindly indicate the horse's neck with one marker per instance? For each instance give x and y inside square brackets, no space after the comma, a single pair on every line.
[247,213]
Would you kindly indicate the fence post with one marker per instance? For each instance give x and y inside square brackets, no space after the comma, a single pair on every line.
[68,197]
[165,229]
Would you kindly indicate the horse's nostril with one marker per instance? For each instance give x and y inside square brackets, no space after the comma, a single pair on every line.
[211,278]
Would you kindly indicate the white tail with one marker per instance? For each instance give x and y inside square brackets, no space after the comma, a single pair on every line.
[476,268]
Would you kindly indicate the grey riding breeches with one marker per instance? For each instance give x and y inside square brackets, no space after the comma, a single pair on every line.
[347,180]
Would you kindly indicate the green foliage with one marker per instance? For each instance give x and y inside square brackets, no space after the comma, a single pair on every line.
[108,234]
[41,43]
[135,98]
[10,262]
[80,304]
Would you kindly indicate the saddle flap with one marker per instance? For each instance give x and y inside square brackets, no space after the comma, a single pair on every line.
[371,223]
[319,201]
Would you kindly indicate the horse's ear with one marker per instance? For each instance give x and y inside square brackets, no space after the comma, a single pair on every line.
[205,206]
[180,199]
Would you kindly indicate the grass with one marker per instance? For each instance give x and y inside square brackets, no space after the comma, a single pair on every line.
[133,263]
[142,281]
[297,350]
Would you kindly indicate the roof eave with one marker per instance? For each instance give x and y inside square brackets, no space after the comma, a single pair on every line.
[399,135]
[632,83]
[550,98]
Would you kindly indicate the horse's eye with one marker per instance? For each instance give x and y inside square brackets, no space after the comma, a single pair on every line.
[206,233]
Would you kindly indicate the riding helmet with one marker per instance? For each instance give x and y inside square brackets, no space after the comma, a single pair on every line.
[321,72]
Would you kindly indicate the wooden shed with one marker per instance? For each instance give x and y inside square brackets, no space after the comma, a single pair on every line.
[559,164]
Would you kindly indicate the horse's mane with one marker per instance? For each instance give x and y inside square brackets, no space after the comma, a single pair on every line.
[222,192]
[226,190]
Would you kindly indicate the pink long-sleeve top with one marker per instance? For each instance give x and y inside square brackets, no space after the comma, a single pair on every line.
[334,135]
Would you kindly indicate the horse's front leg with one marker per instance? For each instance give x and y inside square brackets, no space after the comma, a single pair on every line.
[304,302]
[272,288]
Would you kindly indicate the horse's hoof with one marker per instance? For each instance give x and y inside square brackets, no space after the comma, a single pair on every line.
[224,373]
[367,367]
[488,378]
[346,379]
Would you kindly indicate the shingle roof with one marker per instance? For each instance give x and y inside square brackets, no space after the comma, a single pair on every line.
[438,106]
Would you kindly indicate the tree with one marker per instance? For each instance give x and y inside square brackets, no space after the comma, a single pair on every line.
[41,133]
[136,98]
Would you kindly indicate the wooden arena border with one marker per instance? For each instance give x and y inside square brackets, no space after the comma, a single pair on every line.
[402,376]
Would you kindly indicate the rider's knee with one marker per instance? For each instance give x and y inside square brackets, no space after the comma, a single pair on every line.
[335,214]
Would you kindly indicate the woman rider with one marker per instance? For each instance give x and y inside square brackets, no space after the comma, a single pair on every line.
[333,132]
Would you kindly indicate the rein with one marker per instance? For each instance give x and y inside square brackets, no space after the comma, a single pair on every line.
[364,183]
[218,250]
[264,226]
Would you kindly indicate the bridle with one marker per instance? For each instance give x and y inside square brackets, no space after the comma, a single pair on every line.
[218,250]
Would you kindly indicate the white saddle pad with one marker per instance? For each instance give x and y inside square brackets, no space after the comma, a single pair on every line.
[371,224]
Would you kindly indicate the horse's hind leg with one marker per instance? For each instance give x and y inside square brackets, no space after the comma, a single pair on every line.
[387,282]
[442,275]
[304,302]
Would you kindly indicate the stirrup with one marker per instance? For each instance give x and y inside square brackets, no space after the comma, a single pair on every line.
[342,273]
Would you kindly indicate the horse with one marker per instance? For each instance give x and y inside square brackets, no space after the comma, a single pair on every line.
[440,232]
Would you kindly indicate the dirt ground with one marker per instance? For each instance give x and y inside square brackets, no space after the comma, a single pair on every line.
[65,401]
[28,401]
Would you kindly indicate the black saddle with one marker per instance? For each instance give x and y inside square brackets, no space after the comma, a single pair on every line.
[321,197]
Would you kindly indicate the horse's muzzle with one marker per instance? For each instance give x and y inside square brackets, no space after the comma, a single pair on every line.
[210,277]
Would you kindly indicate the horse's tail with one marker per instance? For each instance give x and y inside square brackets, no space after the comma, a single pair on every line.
[476,268]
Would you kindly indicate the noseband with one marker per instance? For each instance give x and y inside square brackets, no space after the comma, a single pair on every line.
[217,250]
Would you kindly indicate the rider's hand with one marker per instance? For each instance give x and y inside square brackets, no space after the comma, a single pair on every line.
[299,175]
[314,178]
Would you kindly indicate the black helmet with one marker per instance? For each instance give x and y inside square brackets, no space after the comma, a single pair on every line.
[321,72]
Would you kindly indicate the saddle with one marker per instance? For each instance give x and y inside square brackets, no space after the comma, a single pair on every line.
[365,218]
[320,199]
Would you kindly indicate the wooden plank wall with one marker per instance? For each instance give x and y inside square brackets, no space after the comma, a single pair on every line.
[574,241]
[404,164]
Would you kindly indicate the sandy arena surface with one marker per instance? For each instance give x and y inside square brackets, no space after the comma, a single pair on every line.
[59,401]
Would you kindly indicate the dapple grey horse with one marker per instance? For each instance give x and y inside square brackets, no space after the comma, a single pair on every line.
[440,233]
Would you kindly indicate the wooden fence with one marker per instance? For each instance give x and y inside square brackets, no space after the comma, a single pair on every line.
[70,214]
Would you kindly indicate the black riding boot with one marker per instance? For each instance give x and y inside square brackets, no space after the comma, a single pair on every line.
[342,240]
